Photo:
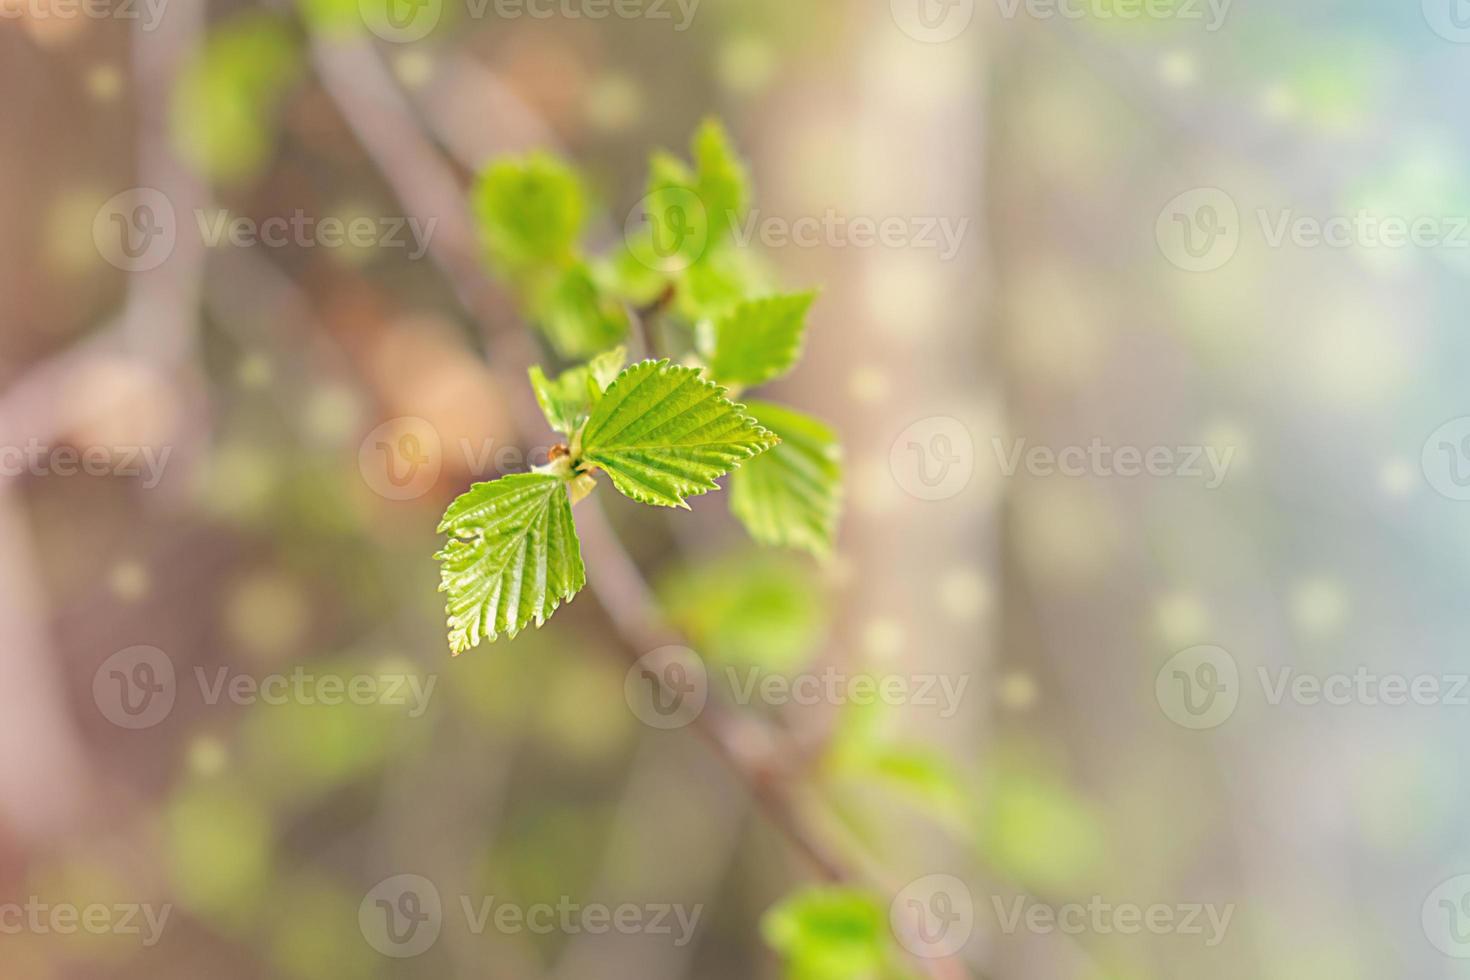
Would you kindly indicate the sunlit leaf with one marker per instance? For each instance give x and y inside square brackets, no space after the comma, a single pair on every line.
[760,608]
[720,177]
[791,496]
[829,934]
[757,340]
[576,315]
[1034,828]
[664,433]
[567,401]
[530,210]
[512,557]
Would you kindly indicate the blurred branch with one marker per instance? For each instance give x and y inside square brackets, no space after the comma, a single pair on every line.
[376,110]
[42,781]
[384,122]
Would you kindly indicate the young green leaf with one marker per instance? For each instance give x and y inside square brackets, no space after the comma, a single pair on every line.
[830,933]
[512,557]
[721,282]
[678,218]
[757,340]
[663,434]
[791,496]
[530,211]
[720,177]
[222,117]
[567,401]
[576,315]
[758,608]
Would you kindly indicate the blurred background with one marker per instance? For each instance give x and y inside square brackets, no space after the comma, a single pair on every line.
[229,424]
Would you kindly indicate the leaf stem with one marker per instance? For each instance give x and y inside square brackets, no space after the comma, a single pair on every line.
[385,125]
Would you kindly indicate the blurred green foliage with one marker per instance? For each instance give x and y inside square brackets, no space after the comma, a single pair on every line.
[226,106]
[830,933]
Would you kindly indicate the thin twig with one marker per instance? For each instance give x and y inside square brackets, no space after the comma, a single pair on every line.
[372,105]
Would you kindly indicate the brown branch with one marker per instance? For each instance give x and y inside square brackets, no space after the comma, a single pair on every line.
[386,126]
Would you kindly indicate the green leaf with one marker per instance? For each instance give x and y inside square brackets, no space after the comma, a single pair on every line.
[678,233]
[530,211]
[631,273]
[223,112]
[512,557]
[1033,827]
[829,933]
[567,401]
[791,496]
[576,315]
[721,178]
[760,609]
[719,283]
[757,341]
[664,433]
[916,772]
[690,213]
